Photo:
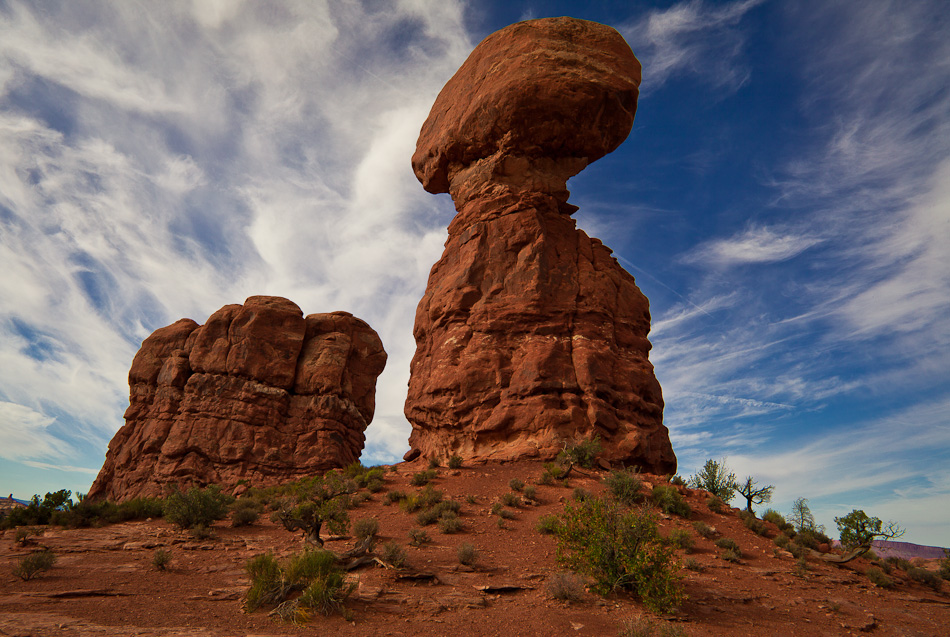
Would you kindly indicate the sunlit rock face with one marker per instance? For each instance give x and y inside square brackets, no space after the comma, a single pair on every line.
[259,392]
[530,334]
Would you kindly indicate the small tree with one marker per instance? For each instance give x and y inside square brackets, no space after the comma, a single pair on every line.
[802,518]
[319,501]
[858,530]
[716,478]
[754,494]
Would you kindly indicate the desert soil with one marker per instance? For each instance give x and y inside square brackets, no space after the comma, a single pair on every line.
[104,584]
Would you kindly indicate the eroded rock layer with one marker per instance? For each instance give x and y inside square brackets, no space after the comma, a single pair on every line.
[258,392]
[530,334]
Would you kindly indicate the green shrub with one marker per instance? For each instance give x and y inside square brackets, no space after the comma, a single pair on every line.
[619,549]
[450,523]
[511,500]
[801,567]
[467,553]
[715,504]
[427,517]
[455,462]
[716,478]
[776,518]
[548,524]
[313,572]
[394,496]
[582,453]
[945,568]
[196,507]
[161,559]
[624,486]
[678,481]
[566,587]
[434,462]
[516,484]
[781,540]
[418,537]
[929,578]
[704,529]
[900,563]
[581,494]
[812,538]
[366,528]
[878,578]
[427,497]
[731,555]
[796,549]
[681,538]
[396,555]
[34,564]
[423,478]
[752,523]
[670,501]
[530,493]
[245,512]
[695,565]
[728,544]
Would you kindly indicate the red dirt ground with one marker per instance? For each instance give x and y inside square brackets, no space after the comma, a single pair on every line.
[104,583]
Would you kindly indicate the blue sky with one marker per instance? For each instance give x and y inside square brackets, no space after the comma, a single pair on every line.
[783,200]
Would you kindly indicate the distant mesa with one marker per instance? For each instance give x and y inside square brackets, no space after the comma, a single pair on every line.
[258,392]
[530,334]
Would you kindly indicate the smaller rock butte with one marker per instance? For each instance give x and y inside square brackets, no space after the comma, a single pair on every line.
[258,392]
[530,334]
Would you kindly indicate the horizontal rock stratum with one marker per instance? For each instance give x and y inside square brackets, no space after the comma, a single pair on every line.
[259,392]
[530,334]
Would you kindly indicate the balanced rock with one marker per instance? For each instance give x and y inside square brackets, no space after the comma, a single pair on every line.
[530,334]
[258,393]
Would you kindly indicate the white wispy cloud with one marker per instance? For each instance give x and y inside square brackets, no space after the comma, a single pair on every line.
[754,245]
[161,161]
[695,37]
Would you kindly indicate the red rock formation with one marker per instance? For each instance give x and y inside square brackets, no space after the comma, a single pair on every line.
[530,334]
[258,392]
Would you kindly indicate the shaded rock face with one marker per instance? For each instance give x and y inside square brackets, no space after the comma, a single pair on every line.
[530,334]
[258,392]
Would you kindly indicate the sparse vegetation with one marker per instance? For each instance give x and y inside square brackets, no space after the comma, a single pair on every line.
[161,559]
[548,524]
[681,538]
[619,549]
[423,478]
[731,555]
[516,484]
[197,507]
[455,462]
[418,537]
[34,564]
[582,452]
[695,565]
[801,567]
[450,523]
[511,499]
[314,572]
[245,511]
[394,496]
[716,478]
[878,578]
[624,486]
[565,586]
[467,554]
[581,494]
[366,528]
[395,555]
[670,501]
[434,462]
[645,627]
[776,518]
[704,529]
[752,523]
[728,544]
[715,504]
[924,576]
[530,493]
